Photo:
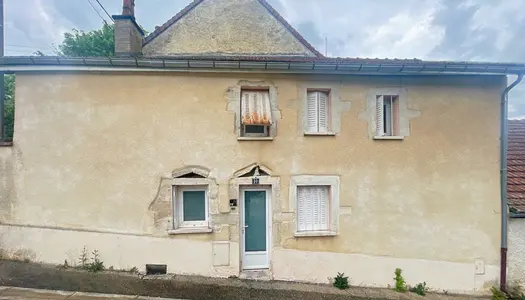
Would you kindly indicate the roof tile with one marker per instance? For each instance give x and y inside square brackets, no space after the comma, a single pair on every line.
[516,165]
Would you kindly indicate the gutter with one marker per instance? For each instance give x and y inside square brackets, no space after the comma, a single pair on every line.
[517,215]
[503,179]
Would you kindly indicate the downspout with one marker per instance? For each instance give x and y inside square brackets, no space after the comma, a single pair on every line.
[503,179]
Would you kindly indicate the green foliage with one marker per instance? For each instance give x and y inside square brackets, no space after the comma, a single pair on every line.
[341,281]
[83,259]
[401,285]
[420,289]
[96,265]
[93,265]
[93,43]
[514,292]
[9,102]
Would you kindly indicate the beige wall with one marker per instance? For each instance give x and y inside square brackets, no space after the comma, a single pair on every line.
[92,148]
[516,253]
[217,27]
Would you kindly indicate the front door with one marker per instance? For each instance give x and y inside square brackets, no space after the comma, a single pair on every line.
[255,229]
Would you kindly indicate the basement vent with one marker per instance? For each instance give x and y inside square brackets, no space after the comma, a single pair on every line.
[156,269]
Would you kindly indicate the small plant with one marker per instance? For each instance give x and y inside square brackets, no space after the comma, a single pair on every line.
[401,285]
[134,270]
[420,289]
[96,265]
[515,292]
[497,294]
[341,281]
[83,259]
[111,268]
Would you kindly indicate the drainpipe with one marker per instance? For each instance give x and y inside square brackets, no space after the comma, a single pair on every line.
[503,179]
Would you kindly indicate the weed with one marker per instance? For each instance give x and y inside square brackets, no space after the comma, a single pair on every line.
[134,270]
[96,265]
[341,281]
[445,292]
[514,292]
[64,266]
[401,285]
[83,259]
[111,268]
[420,289]
[497,294]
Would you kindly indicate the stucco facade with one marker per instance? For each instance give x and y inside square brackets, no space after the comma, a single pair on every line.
[93,157]
[516,253]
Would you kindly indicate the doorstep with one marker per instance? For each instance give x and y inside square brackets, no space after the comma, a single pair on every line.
[263,275]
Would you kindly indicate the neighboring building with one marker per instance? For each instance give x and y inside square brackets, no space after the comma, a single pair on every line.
[516,198]
[232,145]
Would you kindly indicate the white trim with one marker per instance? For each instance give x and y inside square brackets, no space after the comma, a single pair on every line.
[268,190]
[178,209]
[309,180]
[245,138]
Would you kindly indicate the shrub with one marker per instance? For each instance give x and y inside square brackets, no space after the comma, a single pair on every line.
[419,289]
[341,281]
[400,285]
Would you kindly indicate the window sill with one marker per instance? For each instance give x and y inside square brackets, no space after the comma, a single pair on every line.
[315,233]
[320,133]
[245,138]
[190,230]
[6,144]
[396,138]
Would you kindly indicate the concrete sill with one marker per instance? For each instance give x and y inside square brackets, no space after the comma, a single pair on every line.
[315,233]
[255,138]
[319,133]
[6,144]
[395,138]
[190,230]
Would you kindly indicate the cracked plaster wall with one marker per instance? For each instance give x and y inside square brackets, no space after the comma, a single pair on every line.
[94,149]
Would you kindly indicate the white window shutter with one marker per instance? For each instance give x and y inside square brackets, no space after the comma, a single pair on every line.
[312,112]
[323,111]
[379,116]
[301,206]
[313,208]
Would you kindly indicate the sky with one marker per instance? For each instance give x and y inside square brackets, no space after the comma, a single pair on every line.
[473,30]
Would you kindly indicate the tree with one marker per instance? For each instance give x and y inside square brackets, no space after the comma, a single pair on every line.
[98,42]
[92,43]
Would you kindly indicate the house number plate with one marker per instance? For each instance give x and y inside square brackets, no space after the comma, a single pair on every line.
[255,180]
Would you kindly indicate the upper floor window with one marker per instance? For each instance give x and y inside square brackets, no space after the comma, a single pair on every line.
[387,115]
[256,113]
[318,111]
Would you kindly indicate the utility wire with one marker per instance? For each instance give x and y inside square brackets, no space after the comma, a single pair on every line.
[104,20]
[110,17]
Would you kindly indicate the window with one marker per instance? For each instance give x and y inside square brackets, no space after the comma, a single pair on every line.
[387,115]
[256,113]
[191,206]
[313,207]
[315,200]
[317,111]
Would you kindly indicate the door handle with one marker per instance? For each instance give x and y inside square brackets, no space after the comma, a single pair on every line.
[245,226]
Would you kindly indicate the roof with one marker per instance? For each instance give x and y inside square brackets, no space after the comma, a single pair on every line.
[516,166]
[258,64]
[270,9]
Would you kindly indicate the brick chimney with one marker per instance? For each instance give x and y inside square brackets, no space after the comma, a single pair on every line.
[128,34]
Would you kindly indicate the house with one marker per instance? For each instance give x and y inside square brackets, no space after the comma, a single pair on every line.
[224,144]
[516,198]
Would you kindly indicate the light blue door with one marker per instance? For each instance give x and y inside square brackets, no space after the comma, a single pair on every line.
[255,229]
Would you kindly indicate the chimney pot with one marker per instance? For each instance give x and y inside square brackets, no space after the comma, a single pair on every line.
[128,8]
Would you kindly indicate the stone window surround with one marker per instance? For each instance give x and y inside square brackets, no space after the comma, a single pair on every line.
[405,114]
[234,105]
[336,107]
[308,180]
